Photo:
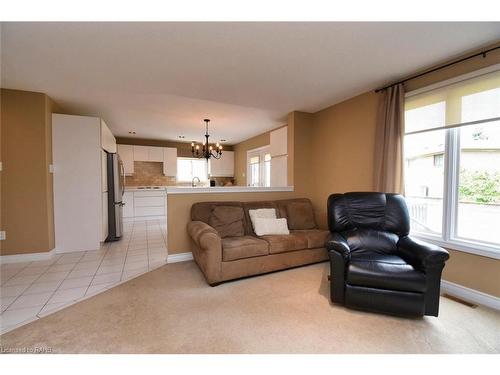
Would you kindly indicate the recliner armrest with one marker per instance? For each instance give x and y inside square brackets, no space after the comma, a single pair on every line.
[338,244]
[421,254]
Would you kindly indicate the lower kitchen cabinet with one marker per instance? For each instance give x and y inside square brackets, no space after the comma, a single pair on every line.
[144,204]
[128,199]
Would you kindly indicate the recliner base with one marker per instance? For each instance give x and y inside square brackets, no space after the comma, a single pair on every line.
[385,301]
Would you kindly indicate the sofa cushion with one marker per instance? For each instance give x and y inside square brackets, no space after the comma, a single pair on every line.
[261,213]
[202,211]
[383,271]
[247,206]
[300,215]
[285,243]
[227,221]
[234,248]
[264,226]
[316,238]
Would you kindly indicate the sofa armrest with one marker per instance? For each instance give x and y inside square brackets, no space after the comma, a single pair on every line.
[207,250]
[197,229]
[420,254]
[338,244]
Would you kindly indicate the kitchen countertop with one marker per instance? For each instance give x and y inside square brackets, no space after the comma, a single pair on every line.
[223,189]
[207,189]
[140,188]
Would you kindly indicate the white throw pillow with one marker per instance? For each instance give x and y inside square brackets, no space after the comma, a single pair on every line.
[263,213]
[266,226]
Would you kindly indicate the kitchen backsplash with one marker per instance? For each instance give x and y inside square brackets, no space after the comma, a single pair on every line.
[149,173]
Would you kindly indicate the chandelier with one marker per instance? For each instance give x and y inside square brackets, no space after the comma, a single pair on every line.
[207,151]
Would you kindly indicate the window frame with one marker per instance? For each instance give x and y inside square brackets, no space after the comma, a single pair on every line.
[448,237]
[204,179]
[260,152]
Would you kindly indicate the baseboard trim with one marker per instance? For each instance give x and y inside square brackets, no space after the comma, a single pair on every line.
[181,257]
[470,295]
[30,257]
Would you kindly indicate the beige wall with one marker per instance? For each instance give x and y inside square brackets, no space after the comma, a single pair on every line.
[342,153]
[240,155]
[26,192]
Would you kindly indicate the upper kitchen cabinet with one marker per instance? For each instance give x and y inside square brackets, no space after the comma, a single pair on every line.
[223,167]
[108,141]
[279,157]
[141,153]
[279,144]
[126,153]
[170,161]
[155,154]
[148,153]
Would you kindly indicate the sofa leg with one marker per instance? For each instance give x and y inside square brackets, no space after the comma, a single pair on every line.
[214,284]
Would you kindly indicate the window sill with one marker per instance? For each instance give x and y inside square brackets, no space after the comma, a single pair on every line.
[465,247]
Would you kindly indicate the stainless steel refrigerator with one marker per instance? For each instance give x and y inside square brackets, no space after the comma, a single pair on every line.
[116,187]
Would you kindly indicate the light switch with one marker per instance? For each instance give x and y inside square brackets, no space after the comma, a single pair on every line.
[51,168]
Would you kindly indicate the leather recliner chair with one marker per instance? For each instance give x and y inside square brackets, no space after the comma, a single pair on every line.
[375,265]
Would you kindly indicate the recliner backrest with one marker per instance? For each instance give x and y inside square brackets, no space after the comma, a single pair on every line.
[358,210]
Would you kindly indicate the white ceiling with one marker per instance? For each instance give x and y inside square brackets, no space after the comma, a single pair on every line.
[162,79]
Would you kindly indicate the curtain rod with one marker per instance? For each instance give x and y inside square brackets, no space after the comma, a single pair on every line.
[482,53]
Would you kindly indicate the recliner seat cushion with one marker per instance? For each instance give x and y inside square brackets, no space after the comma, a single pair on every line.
[385,272]
[234,248]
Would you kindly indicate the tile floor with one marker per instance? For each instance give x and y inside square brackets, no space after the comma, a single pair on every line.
[31,290]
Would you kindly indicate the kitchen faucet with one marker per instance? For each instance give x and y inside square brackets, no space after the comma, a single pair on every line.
[193,184]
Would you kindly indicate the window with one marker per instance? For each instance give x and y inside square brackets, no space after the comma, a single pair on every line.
[438,160]
[452,162]
[188,168]
[259,167]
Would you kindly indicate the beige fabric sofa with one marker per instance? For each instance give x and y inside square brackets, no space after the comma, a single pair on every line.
[223,256]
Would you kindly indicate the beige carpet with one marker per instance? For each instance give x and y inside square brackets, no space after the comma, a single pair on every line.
[173,310]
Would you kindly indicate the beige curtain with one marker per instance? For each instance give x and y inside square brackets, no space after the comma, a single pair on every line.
[388,171]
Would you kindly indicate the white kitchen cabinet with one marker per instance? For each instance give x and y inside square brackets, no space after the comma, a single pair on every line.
[144,203]
[148,153]
[104,214]
[223,167]
[128,199]
[279,142]
[126,153]
[155,154]
[141,153]
[170,161]
[108,141]
[80,201]
[279,171]
[104,171]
